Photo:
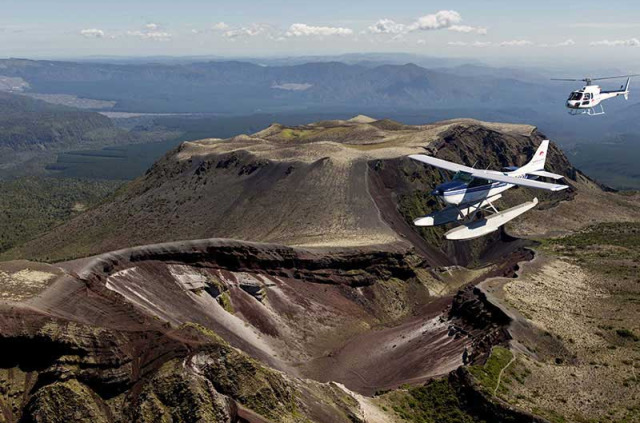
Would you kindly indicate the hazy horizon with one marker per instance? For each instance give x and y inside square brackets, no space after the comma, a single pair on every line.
[496,33]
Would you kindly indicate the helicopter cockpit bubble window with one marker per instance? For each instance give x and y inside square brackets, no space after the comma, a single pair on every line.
[575,96]
[462,177]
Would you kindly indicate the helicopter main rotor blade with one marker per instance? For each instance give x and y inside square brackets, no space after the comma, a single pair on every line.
[595,79]
[615,77]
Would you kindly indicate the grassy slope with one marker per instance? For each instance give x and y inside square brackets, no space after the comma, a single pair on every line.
[594,318]
[438,402]
[31,206]
[435,402]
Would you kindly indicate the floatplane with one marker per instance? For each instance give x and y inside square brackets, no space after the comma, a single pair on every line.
[472,191]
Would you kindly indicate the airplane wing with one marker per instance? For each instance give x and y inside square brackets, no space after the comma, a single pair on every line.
[486,174]
[442,164]
[517,181]
[545,174]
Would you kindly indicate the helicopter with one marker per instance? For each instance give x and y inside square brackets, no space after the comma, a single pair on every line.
[588,100]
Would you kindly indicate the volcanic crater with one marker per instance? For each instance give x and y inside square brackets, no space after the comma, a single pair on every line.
[268,276]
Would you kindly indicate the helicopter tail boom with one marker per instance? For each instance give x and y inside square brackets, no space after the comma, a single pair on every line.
[624,90]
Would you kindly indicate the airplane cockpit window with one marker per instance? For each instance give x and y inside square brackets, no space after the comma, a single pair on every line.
[587,96]
[462,177]
[576,96]
[478,182]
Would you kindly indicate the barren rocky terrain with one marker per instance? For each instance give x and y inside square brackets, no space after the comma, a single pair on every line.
[277,277]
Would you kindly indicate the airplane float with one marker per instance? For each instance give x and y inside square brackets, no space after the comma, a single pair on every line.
[474,190]
[586,100]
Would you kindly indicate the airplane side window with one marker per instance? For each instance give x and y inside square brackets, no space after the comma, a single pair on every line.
[462,177]
[587,96]
[476,182]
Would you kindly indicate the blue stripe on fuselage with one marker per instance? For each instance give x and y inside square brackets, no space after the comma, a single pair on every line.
[485,187]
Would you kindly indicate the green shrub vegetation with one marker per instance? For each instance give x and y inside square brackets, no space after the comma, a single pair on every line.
[32,206]
[27,123]
[435,402]
[612,249]
[225,301]
[626,333]
[619,234]
[487,375]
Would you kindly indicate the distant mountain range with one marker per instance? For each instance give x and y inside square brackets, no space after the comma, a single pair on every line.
[375,84]
[235,87]
[408,88]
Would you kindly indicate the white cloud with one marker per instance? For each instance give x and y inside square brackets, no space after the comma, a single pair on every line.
[304,30]
[220,26]
[151,35]
[466,28]
[472,44]
[443,19]
[439,20]
[516,43]
[150,31]
[566,43]
[387,26]
[631,42]
[92,33]
[291,86]
[249,31]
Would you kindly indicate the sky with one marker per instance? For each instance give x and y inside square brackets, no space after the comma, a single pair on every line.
[494,30]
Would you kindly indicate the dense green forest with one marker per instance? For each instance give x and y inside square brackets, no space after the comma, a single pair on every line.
[31,206]
[26,123]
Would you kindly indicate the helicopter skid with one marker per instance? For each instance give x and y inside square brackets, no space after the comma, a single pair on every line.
[591,111]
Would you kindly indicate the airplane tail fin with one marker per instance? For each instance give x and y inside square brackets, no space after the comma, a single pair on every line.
[626,89]
[538,159]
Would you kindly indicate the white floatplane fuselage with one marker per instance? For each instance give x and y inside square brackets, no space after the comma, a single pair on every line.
[457,192]
[474,190]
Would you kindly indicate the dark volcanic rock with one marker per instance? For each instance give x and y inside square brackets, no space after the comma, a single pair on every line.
[471,313]
[193,330]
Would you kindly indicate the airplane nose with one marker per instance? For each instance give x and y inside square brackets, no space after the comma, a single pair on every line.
[436,192]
